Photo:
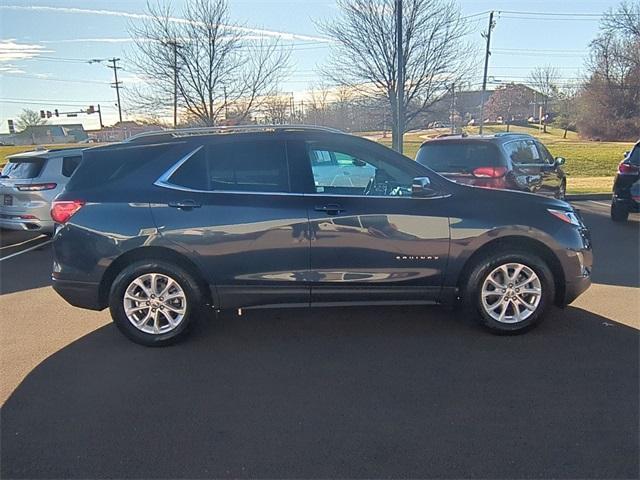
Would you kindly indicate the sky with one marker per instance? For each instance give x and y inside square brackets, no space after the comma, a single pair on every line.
[46,45]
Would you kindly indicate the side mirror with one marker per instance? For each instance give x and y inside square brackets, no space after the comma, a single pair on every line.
[421,187]
[560,161]
[626,154]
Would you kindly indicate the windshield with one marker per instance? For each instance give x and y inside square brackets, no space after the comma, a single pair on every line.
[23,168]
[449,157]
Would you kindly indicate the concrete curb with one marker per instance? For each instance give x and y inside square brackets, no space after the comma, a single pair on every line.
[589,196]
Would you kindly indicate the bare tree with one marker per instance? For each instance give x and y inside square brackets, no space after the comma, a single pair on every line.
[435,53]
[510,101]
[277,109]
[545,80]
[625,19]
[566,109]
[318,104]
[209,61]
[610,97]
[29,118]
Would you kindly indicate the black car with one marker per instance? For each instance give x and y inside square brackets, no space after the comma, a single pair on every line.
[625,197]
[512,161]
[166,226]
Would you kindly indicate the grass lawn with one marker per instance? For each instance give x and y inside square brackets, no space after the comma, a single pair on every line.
[590,166]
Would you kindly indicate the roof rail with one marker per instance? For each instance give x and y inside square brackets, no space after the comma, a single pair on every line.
[190,132]
[508,134]
[445,135]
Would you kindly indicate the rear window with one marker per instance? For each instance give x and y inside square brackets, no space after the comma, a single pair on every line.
[104,165]
[69,164]
[23,168]
[464,157]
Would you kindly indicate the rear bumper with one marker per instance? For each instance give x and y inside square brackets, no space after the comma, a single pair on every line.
[30,225]
[79,294]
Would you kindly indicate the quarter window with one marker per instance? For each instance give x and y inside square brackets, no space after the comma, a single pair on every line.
[253,166]
[69,165]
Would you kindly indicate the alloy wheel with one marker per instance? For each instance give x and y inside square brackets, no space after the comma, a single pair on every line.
[155,303]
[511,293]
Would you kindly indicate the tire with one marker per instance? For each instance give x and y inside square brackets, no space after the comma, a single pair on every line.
[175,314]
[618,212]
[512,296]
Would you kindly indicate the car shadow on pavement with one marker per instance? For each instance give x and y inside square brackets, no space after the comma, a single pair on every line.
[350,392]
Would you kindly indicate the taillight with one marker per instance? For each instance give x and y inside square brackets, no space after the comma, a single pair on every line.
[36,187]
[489,172]
[62,211]
[627,169]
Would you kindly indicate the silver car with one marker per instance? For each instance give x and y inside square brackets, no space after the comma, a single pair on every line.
[28,184]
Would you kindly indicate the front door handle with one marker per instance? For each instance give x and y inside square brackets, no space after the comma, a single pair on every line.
[332,209]
[185,204]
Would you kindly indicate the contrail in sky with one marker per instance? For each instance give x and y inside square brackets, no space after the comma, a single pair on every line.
[142,16]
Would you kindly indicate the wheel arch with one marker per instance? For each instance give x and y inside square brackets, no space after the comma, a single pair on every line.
[519,243]
[151,253]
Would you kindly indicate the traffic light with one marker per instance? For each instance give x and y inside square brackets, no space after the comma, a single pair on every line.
[42,115]
[55,112]
[91,110]
[48,114]
[12,128]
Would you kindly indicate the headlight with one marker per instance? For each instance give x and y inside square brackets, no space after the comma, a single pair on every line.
[566,216]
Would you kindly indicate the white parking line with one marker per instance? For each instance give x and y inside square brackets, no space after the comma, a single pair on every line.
[600,203]
[25,250]
[21,243]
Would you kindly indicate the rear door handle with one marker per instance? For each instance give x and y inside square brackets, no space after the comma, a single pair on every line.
[185,204]
[332,209]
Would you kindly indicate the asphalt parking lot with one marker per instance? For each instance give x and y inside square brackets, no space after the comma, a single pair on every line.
[350,392]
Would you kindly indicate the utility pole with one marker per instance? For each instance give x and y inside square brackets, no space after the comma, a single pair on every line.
[100,116]
[116,84]
[486,68]
[400,79]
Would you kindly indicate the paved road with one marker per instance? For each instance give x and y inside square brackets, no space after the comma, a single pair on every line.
[359,392]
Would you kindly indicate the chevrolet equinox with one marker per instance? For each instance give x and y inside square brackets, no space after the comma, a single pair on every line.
[168,225]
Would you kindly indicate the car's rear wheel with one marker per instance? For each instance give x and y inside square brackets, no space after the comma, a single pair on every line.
[154,303]
[510,291]
[619,213]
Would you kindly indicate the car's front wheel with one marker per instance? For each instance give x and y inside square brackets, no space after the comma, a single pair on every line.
[510,292]
[154,303]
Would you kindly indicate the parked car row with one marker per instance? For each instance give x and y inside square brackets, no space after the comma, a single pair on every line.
[168,225]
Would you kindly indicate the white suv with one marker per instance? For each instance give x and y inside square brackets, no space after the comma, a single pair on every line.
[28,184]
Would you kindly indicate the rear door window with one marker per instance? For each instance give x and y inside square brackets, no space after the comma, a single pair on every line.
[523,152]
[464,157]
[23,168]
[69,164]
[250,166]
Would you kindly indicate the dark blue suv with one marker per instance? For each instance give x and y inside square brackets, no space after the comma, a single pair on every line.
[167,226]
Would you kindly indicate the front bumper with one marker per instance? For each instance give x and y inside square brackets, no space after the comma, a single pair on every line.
[79,294]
